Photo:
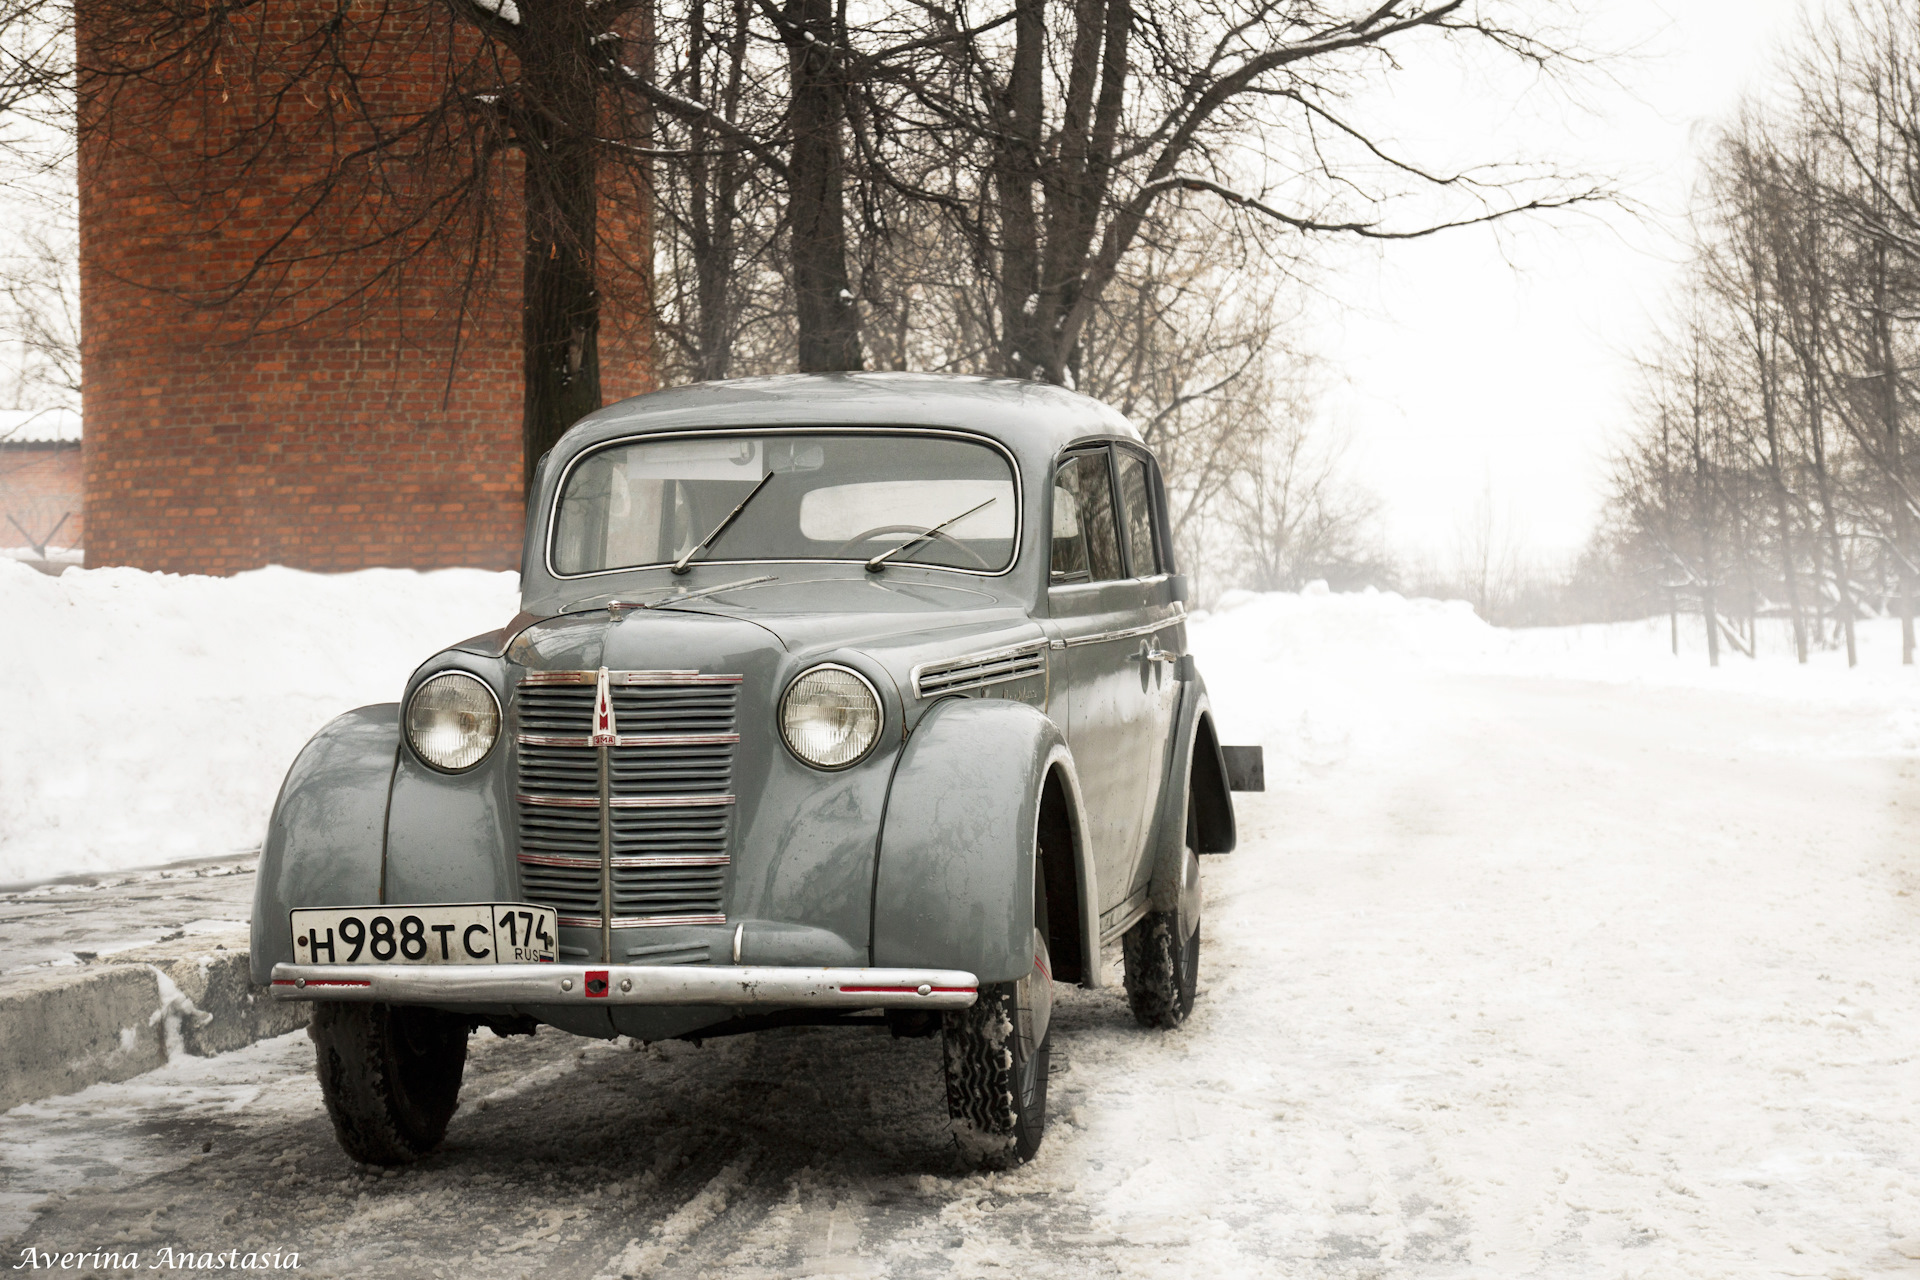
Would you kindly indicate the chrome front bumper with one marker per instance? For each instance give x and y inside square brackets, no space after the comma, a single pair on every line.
[735,987]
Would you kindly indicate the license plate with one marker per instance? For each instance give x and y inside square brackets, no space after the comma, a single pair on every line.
[466,933]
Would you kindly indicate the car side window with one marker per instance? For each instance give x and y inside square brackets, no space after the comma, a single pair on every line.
[1086,543]
[1136,506]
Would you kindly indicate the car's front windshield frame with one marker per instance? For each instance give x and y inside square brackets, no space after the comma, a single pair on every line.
[555,502]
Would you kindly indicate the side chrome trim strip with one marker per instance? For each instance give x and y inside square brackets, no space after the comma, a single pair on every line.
[1129,633]
[727,986]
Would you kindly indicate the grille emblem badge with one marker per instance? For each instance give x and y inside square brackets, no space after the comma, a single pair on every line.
[605,732]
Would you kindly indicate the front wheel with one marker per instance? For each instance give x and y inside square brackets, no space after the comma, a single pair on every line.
[997,1055]
[390,1075]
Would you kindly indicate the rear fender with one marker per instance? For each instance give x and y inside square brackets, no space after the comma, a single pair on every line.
[326,839]
[1195,794]
[954,884]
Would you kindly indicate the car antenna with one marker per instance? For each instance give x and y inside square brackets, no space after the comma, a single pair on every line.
[680,565]
[879,562]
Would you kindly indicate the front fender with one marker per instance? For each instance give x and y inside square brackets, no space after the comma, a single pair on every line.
[954,884]
[326,840]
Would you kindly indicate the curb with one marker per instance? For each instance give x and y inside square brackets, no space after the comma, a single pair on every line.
[66,1028]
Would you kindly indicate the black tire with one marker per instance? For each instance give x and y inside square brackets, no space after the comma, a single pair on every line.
[390,1075]
[998,1053]
[996,1086]
[1162,955]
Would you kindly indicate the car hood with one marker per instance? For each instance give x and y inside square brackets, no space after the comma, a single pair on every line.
[826,613]
[643,640]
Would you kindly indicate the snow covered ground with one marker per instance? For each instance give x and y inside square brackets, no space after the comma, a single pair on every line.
[1543,955]
[147,718]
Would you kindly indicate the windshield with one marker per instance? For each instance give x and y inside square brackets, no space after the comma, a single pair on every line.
[827,496]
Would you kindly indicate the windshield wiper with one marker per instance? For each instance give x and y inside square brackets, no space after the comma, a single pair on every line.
[680,565]
[676,597]
[879,562]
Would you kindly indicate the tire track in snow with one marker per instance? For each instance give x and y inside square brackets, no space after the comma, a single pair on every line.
[642,1262]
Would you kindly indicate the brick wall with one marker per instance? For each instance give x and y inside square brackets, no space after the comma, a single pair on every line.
[319,418]
[40,492]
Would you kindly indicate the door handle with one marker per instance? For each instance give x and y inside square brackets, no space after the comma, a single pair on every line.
[1155,655]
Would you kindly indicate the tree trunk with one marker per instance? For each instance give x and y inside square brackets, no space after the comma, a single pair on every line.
[1016,175]
[713,175]
[1783,505]
[829,322]
[1704,514]
[1889,386]
[1823,485]
[560,302]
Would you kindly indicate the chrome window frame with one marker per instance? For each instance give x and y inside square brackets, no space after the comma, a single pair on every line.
[1156,491]
[1086,448]
[971,437]
[1156,511]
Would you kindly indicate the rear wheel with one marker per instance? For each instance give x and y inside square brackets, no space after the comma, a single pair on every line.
[390,1075]
[1162,954]
[997,1057]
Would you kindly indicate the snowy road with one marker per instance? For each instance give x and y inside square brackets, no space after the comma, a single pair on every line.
[1510,976]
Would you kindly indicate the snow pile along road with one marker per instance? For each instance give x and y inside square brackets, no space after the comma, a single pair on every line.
[148,717]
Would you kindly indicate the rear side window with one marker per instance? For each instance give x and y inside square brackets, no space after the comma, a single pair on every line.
[1136,505]
[1086,542]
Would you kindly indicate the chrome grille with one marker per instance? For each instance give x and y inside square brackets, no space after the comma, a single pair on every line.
[668,806]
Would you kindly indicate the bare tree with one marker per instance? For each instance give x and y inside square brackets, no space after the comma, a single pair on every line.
[1081,121]
[40,307]
[1739,268]
[1293,512]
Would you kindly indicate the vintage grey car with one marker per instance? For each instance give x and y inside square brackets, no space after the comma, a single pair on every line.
[853,699]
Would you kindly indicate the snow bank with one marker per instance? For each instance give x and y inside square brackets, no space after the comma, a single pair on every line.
[1316,626]
[147,717]
[1316,676]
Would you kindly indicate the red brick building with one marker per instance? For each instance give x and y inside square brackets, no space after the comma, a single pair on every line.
[40,493]
[334,429]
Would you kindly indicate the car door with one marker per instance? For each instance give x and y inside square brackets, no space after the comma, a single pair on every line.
[1097,609]
[1142,512]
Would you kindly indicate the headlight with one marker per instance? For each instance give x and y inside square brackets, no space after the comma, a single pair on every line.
[452,721]
[830,717]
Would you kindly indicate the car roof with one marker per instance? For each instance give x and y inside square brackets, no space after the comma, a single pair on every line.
[1031,418]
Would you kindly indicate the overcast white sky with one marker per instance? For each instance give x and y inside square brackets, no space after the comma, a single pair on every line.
[1497,362]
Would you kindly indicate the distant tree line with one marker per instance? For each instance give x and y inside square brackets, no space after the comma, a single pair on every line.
[1772,468]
